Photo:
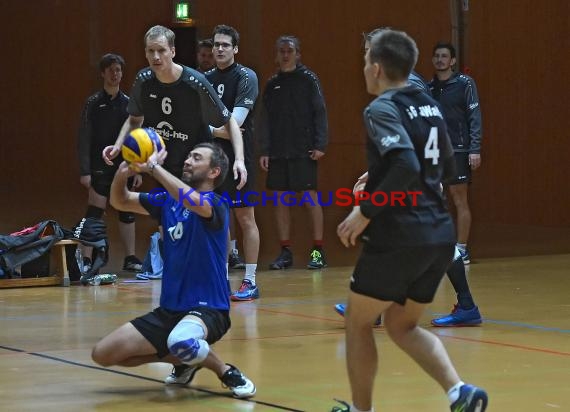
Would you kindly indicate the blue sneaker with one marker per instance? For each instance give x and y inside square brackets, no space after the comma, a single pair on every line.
[471,399]
[247,291]
[340,308]
[459,317]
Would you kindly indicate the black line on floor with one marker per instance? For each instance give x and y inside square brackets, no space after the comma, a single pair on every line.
[132,375]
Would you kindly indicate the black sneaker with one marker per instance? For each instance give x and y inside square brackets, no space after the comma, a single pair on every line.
[181,375]
[317,259]
[283,261]
[235,261]
[132,264]
[239,384]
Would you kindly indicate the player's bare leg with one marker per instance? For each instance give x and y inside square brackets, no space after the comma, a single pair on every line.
[459,196]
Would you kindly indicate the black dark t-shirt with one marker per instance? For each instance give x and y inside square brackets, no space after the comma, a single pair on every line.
[408,119]
[101,122]
[180,112]
[237,86]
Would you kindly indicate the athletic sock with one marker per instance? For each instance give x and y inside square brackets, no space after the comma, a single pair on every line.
[458,278]
[250,269]
[285,243]
[465,301]
[453,393]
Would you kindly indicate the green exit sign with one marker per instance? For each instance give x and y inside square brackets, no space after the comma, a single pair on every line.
[182,11]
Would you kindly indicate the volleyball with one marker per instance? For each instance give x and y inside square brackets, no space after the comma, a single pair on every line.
[138,145]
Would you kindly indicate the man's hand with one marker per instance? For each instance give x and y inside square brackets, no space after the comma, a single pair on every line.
[360,183]
[351,227]
[241,172]
[474,160]
[264,163]
[157,157]
[137,181]
[316,154]
[125,169]
[85,181]
[109,153]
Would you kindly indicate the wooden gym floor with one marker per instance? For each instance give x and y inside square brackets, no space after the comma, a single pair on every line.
[291,344]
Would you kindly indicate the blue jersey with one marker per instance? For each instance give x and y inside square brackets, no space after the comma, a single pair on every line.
[195,253]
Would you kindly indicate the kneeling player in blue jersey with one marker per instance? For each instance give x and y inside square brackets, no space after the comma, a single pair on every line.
[194,301]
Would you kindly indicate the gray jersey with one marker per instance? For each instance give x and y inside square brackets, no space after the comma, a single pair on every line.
[180,112]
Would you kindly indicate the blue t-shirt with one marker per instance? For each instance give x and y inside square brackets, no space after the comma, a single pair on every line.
[195,253]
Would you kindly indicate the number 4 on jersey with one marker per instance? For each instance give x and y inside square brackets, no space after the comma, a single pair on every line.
[431,150]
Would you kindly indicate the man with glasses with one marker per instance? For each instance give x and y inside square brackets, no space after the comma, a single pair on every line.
[237,86]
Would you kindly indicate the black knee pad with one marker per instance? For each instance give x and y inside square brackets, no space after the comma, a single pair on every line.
[126,217]
[94,212]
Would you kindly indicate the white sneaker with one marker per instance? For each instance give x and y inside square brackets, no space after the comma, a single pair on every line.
[181,375]
[239,384]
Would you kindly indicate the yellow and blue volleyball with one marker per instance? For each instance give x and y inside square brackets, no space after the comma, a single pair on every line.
[138,145]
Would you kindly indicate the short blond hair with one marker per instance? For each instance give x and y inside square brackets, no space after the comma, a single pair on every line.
[157,31]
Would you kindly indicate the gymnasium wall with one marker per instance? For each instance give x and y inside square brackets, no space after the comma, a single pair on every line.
[516,55]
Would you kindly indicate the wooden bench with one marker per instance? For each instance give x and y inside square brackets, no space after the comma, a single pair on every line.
[58,266]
